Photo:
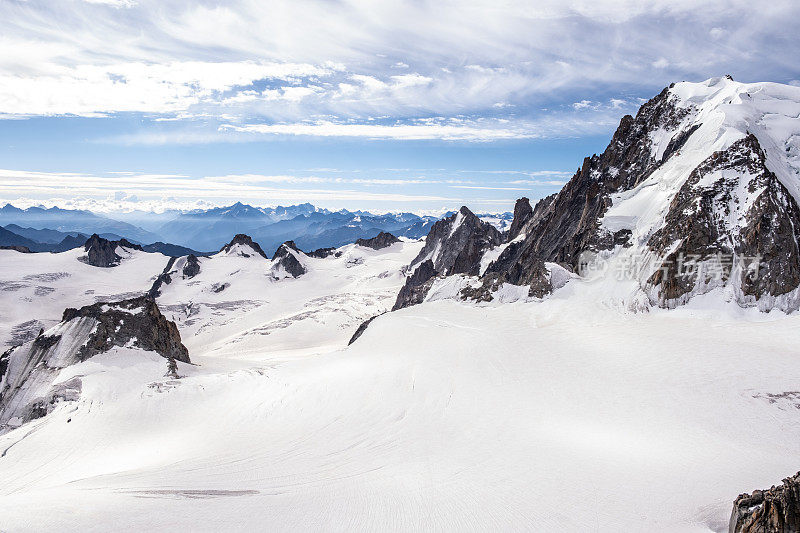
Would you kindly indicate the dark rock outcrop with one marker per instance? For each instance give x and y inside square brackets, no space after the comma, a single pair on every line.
[136,322]
[381,240]
[165,278]
[245,242]
[361,329]
[26,390]
[285,257]
[518,265]
[776,510]
[322,253]
[522,214]
[192,267]
[456,244]
[283,250]
[20,249]
[188,268]
[417,286]
[102,253]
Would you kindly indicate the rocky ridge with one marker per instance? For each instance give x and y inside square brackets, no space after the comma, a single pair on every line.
[102,253]
[776,510]
[28,371]
[378,242]
[285,260]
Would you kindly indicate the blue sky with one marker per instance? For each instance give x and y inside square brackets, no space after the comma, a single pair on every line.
[411,106]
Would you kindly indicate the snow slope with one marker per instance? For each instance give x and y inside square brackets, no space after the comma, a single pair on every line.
[574,412]
[562,415]
[36,288]
[239,307]
[724,111]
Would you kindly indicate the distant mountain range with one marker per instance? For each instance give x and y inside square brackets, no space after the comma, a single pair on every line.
[180,233]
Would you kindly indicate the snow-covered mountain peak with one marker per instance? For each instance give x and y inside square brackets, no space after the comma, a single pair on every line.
[288,261]
[29,384]
[242,246]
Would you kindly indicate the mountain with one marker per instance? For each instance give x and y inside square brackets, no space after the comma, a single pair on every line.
[171,250]
[37,287]
[310,227]
[50,236]
[70,220]
[697,193]
[559,375]
[8,238]
[209,229]
[379,241]
[27,372]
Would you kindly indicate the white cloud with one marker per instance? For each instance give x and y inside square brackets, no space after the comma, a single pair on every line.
[253,61]
[661,62]
[445,131]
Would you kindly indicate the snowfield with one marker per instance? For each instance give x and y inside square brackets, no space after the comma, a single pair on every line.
[236,308]
[36,288]
[563,415]
[588,410]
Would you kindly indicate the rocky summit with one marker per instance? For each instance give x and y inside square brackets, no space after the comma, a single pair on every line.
[28,371]
[285,261]
[776,510]
[685,199]
[244,246]
[102,253]
[379,241]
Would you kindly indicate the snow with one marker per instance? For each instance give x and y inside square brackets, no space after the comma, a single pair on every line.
[493,254]
[37,287]
[578,412]
[456,224]
[260,309]
[565,415]
[726,111]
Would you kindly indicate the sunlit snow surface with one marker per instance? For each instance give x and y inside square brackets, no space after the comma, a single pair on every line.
[576,413]
[571,414]
[36,288]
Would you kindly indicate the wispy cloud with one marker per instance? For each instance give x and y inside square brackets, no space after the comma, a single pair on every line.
[251,65]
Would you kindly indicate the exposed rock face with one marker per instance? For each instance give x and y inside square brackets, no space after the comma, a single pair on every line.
[187,267]
[417,286]
[192,267]
[243,245]
[361,329]
[776,510]
[707,218]
[20,249]
[165,278]
[381,240]
[517,265]
[456,244]
[27,390]
[322,253]
[284,249]
[136,322]
[285,259]
[102,253]
[566,225]
[522,214]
